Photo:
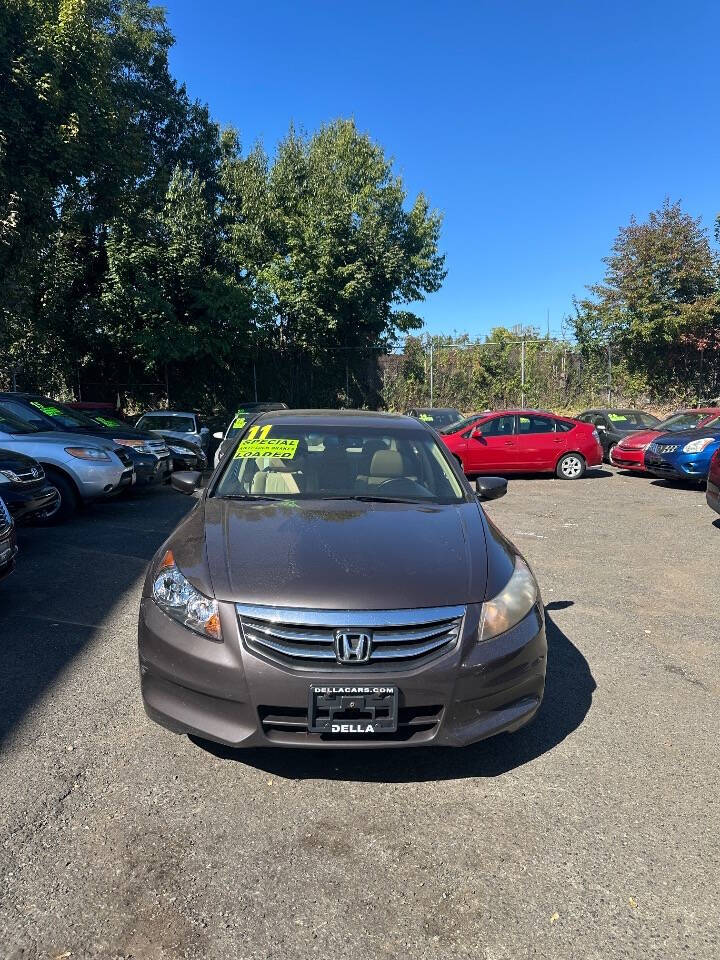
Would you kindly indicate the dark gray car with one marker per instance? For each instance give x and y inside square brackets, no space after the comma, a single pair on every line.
[338,583]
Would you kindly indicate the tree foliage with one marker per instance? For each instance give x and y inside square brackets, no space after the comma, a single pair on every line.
[659,305]
[139,245]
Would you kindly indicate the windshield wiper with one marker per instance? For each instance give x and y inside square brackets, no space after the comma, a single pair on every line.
[365,498]
[249,496]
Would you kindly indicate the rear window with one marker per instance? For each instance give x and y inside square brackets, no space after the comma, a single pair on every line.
[161,421]
[282,461]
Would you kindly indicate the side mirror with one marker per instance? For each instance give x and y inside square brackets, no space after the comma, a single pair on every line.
[490,488]
[218,435]
[600,427]
[204,431]
[186,481]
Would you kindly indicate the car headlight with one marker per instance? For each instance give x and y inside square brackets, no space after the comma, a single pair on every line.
[181,452]
[88,453]
[696,446]
[515,601]
[179,599]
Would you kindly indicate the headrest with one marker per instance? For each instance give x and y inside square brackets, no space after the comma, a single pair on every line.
[387,463]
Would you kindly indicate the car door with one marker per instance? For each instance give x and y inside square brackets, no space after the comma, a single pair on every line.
[538,445]
[492,446]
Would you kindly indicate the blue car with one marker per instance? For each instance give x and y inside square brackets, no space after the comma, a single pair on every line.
[684,455]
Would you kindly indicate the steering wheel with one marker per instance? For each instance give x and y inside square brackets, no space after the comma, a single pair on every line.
[403,486]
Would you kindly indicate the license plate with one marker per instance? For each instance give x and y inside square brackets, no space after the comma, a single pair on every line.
[347,709]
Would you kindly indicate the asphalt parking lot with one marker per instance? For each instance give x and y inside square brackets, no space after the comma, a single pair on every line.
[593,833]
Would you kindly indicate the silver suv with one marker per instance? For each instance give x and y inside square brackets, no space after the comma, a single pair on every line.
[80,467]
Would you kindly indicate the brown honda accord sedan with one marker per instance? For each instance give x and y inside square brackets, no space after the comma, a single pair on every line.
[338,584]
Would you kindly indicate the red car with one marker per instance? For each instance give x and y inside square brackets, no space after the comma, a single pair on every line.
[629,454]
[712,493]
[524,441]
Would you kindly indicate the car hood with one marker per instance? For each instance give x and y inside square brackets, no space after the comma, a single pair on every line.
[56,438]
[17,462]
[681,437]
[639,438]
[340,555]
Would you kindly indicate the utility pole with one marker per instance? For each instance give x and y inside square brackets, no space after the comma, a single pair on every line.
[431,373]
[609,382]
[255,380]
[522,374]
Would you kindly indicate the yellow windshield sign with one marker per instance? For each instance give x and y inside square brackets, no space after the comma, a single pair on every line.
[239,422]
[426,418]
[615,417]
[259,443]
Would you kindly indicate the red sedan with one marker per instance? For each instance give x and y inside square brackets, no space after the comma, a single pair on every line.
[524,441]
[712,494]
[629,454]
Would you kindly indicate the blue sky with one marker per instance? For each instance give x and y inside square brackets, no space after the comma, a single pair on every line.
[537,128]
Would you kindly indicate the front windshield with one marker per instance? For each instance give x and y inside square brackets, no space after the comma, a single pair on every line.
[631,420]
[62,415]
[15,426]
[305,461]
[683,421]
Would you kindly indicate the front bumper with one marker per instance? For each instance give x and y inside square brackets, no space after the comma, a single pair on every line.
[712,495]
[681,466]
[150,469]
[628,459]
[226,693]
[26,504]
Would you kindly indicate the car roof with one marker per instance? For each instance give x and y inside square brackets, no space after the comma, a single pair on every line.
[436,409]
[334,418]
[170,413]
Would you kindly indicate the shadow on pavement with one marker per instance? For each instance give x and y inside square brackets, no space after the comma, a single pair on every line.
[67,581]
[568,697]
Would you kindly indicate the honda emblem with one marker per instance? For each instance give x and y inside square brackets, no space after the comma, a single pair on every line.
[352,647]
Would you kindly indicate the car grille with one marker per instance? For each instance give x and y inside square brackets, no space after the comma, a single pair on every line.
[664,447]
[290,724]
[5,518]
[306,638]
[27,477]
[158,447]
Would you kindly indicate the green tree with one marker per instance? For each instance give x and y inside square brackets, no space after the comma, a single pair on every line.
[659,305]
[334,256]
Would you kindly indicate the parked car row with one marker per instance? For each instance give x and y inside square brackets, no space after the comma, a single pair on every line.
[55,457]
[684,446]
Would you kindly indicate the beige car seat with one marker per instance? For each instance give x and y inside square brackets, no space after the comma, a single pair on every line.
[385,465]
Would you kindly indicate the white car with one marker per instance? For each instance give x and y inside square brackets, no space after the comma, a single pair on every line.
[177,424]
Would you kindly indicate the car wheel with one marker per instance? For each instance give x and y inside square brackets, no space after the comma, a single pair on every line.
[571,466]
[610,453]
[68,498]
[459,463]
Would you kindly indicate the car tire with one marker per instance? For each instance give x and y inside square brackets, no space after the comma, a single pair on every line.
[459,463]
[610,452]
[68,498]
[571,467]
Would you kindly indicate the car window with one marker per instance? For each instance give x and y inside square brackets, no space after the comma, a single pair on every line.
[289,462]
[12,424]
[498,426]
[534,424]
